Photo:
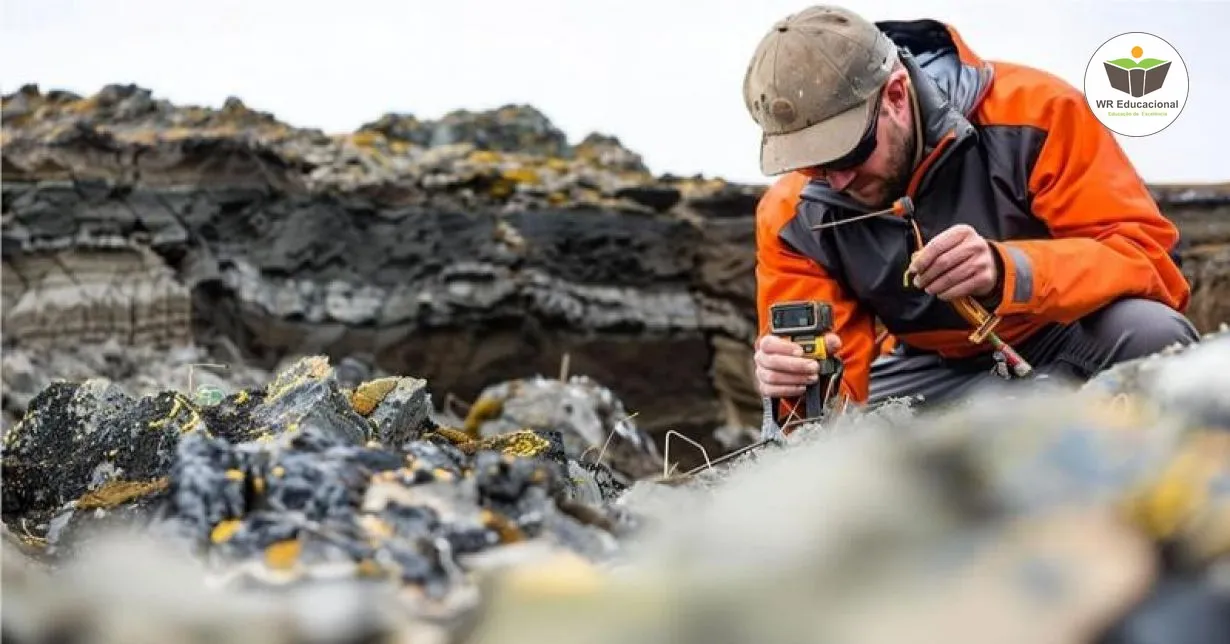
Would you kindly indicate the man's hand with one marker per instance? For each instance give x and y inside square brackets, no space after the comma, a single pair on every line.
[781,369]
[956,263]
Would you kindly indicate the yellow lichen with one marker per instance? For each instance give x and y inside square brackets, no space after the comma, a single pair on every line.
[376,528]
[1169,503]
[521,175]
[368,568]
[484,409]
[114,493]
[224,530]
[278,471]
[524,443]
[283,555]
[508,531]
[82,105]
[484,157]
[242,397]
[455,436]
[234,475]
[180,133]
[441,474]
[370,394]
[366,138]
[501,188]
[180,403]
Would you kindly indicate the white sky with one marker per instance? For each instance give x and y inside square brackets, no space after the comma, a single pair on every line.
[662,75]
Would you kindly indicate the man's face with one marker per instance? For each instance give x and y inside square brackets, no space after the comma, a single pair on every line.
[884,175]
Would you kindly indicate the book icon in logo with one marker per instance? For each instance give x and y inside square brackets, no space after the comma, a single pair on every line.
[1136,76]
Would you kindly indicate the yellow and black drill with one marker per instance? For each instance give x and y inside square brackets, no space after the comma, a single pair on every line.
[805,323]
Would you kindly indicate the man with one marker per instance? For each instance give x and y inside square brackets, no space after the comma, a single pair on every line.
[1025,202]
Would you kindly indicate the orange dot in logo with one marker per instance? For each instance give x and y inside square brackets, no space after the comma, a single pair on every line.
[1137,52]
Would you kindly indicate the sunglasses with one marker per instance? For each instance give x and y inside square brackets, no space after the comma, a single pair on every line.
[861,152]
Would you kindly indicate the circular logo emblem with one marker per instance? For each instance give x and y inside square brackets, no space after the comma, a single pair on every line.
[1136,84]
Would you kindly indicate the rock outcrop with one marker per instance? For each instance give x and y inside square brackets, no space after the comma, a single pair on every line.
[468,251]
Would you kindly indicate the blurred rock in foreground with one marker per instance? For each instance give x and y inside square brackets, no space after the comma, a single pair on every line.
[1092,516]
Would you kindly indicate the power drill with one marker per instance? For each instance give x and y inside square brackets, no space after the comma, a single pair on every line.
[804,323]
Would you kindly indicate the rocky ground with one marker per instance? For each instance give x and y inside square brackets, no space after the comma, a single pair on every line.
[415,383]
[306,511]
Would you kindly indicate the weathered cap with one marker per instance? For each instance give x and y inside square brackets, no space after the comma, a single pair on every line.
[812,83]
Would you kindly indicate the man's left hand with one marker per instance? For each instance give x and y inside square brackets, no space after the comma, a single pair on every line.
[956,263]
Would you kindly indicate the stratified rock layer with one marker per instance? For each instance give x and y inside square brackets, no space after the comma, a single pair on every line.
[469,250]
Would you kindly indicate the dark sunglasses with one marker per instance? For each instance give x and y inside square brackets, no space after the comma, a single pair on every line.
[860,153]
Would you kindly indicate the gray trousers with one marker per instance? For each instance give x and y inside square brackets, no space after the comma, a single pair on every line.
[1123,330]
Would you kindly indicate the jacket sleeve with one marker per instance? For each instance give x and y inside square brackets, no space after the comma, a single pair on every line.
[783,275]
[1110,238]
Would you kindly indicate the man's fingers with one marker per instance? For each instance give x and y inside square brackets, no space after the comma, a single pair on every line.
[939,245]
[956,257]
[960,274]
[777,391]
[976,284]
[772,377]
[777,345]
[786,364]
[773,345]
[960,290]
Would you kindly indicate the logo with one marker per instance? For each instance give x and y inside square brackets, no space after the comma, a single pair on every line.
[1136,84]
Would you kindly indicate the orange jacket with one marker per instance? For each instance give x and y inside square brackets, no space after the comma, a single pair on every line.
[1011,150]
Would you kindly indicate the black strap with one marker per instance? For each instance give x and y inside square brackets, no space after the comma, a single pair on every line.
[815,401]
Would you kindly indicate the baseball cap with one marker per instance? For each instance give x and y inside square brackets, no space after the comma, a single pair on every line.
[812,86]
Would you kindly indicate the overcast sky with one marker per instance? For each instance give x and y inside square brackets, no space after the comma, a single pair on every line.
[662,75]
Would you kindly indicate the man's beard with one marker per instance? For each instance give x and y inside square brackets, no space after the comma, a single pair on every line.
[904,148]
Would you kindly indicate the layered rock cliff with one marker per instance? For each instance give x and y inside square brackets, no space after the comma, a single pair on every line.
[468,250]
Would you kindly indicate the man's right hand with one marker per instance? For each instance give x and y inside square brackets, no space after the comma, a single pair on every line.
[781,369]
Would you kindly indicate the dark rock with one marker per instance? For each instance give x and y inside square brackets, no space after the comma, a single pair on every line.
[87,437]
[510,128]
[589,418]
[660,198]
[609,152]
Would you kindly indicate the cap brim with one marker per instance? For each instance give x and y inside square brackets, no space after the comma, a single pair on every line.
[822,142]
